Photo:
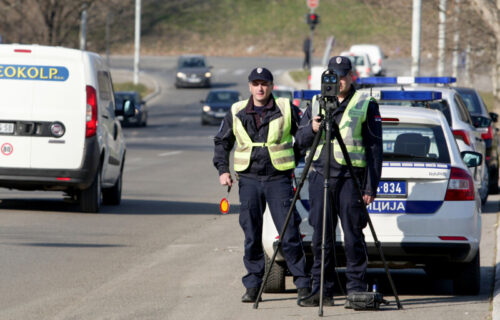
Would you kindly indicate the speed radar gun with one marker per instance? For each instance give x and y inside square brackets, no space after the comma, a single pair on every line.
[330,88]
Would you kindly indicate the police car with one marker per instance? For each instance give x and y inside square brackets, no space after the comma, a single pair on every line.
[427,210]
[448,101]
[58,124]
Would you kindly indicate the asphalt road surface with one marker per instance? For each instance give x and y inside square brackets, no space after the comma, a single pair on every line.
[166,252]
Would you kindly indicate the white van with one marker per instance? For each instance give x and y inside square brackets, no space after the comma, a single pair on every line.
[376,56]
[58,125]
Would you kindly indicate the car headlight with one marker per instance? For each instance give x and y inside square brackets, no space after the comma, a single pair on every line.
[181,75]
[206,108]
[208,74]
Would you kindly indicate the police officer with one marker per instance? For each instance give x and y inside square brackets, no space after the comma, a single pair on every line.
[360,126]
[264,159]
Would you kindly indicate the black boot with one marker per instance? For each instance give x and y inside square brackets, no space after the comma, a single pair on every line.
[251,295]
[303,293]
[313,301]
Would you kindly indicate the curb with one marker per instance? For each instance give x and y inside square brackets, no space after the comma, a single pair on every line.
[495,313]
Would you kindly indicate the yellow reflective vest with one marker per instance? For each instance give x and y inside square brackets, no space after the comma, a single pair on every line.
[350,130]
[279,140]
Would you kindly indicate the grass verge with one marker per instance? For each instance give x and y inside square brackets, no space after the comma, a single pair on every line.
[130,86]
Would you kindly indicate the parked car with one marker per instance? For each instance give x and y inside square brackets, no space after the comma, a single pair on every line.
[58,124]
[484,121]
[216,105]
[140,117]
[361,62]
[448,101]
[193,71]
[427,213]
[285,92]
[376,56]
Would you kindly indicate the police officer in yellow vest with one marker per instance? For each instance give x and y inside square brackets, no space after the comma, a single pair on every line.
[264,159]
[360,126]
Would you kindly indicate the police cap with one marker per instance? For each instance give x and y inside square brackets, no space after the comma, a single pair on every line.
[341,65]
[260,74]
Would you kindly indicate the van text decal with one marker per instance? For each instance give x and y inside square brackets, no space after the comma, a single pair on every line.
[23,72]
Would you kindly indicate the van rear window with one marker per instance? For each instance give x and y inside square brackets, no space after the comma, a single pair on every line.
[413,142]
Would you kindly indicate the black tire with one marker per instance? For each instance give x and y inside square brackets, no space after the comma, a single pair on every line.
[145,122]
[276,280]
[113,195]
[494,181]
[467,280]
[90,198]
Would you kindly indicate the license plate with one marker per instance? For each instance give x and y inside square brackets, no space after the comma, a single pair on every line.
[6,127]
[391,188]
[220,114]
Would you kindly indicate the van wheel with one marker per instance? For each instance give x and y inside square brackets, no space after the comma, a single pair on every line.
[113,195]
[276,280]
[90,198]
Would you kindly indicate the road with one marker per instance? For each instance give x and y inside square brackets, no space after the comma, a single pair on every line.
[166,252]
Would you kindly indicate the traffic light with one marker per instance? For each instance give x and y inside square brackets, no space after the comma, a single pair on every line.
[312,20]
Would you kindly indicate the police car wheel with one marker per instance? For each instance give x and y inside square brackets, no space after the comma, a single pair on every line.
[468,277]
[113,195]
[276,281]
[90,198]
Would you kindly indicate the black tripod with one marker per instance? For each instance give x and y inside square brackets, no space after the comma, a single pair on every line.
[328,104]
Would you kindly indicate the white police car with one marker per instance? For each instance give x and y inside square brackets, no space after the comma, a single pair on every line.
[427,211]
[445,99]
[58,124]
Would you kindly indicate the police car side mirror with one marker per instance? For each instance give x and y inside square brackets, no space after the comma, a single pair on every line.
[471,158]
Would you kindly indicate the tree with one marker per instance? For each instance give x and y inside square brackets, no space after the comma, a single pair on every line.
[489,11]
[50,22]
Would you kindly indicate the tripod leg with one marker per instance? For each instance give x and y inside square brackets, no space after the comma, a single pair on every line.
[328,145]
[309,160]
[339,139]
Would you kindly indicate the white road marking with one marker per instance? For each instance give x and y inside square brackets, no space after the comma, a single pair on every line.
[277,72]
[221,71]
[239,72]
[170,153]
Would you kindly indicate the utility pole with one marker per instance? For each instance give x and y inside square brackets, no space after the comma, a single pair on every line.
[137,40]
[83,28]
[456,39]
[441,38]
[415,38]
[108,25]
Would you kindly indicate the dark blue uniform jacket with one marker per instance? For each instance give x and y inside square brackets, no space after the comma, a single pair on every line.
[257,127]
[372,139]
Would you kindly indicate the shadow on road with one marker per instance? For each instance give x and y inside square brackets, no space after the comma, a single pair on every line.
[491,206]
[142,207]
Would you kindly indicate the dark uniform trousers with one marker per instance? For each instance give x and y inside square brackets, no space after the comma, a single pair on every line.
[278,194]
[344,202]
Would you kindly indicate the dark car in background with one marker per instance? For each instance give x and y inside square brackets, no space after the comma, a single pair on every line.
[484,121]
[141,111]
[193,71]
[216,105]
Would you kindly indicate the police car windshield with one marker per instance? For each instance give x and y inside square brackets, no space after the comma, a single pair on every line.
[440,105]
[414,142]
[221,97]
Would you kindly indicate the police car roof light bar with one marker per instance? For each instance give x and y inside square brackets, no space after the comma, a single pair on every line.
[406,80]
[305,94]
[410,95]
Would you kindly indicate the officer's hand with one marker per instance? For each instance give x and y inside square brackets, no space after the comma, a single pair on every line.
[225,179]
[316,123]
[368,199]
